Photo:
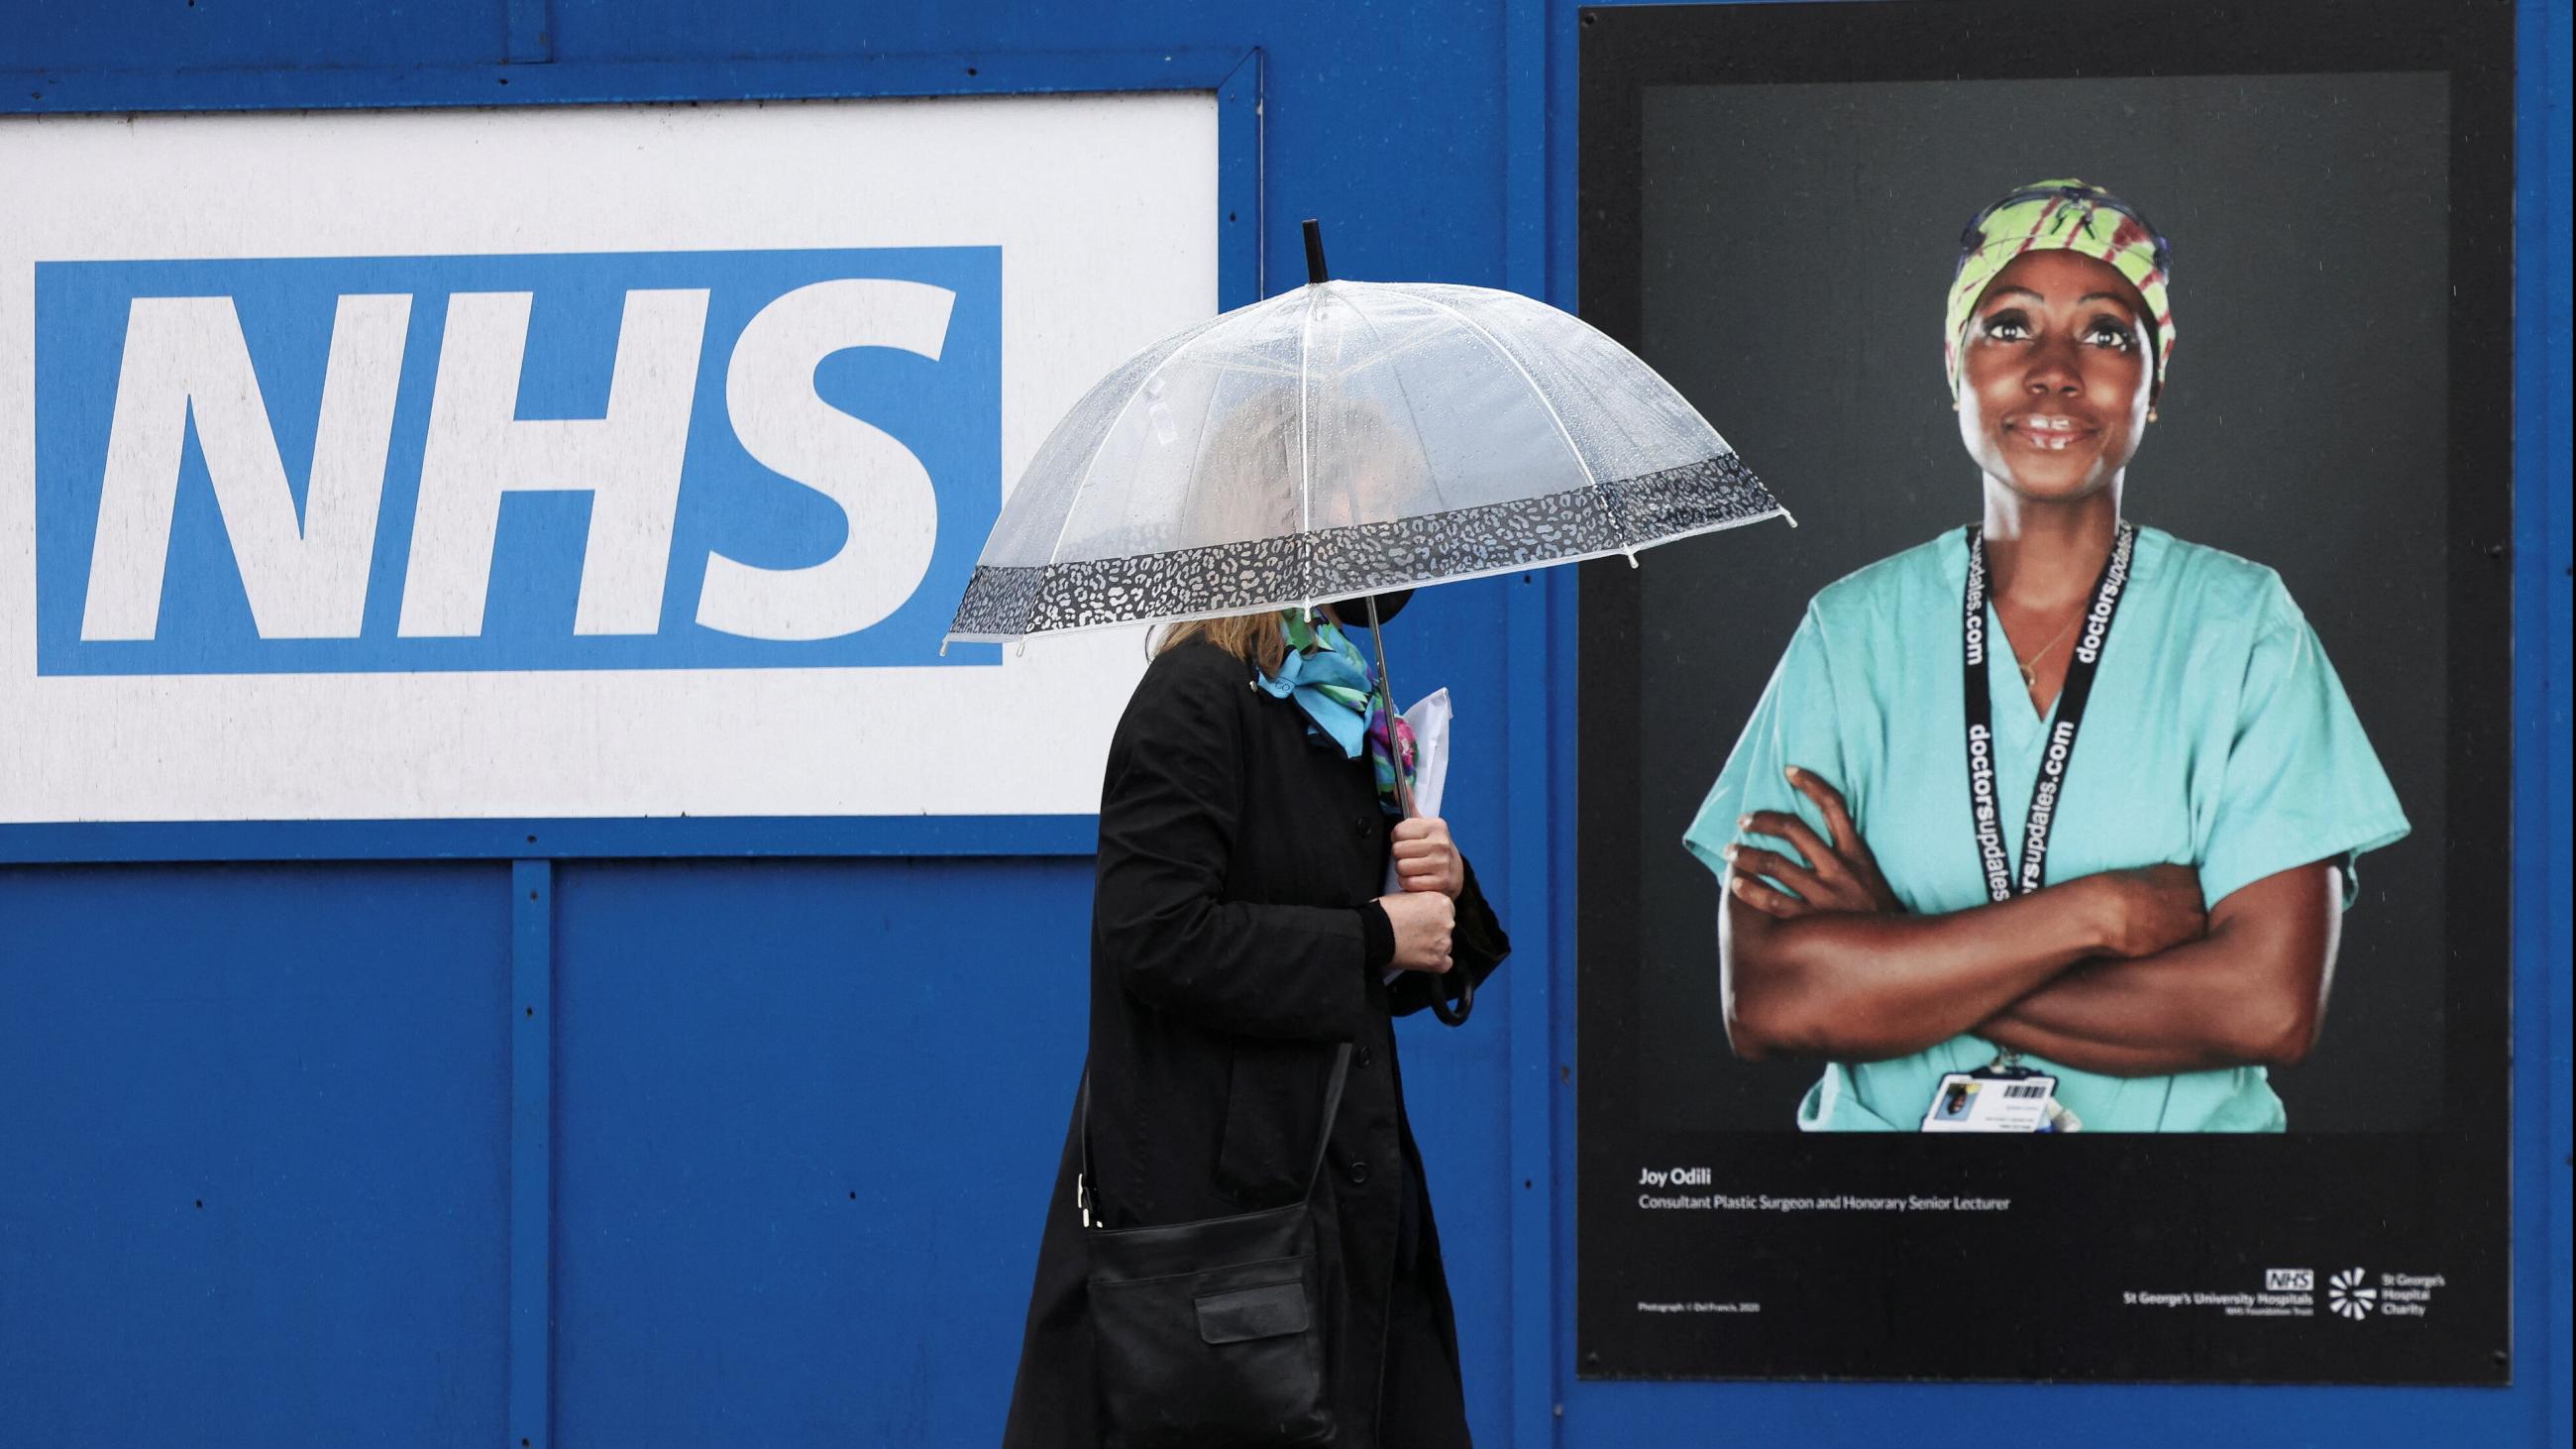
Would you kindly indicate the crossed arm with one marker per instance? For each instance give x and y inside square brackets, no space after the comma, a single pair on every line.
[2116,973]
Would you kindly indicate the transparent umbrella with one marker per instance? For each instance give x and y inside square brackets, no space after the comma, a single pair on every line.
[1349,438]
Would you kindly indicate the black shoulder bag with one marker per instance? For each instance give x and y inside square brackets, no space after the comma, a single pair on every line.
[1211,1332]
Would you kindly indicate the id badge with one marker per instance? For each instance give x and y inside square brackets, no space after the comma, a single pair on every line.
[1992,1102]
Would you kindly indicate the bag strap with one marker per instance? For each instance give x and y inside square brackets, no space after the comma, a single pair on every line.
[1314,1169]
[1332,1108]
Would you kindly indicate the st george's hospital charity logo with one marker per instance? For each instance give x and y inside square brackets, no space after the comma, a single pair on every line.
[2349,1296]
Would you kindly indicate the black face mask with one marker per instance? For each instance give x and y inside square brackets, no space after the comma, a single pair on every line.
[1354,610]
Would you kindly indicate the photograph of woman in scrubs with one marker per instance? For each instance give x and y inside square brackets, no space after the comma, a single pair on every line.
[2164,927]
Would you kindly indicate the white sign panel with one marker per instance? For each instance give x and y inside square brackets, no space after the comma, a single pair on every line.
[577,462]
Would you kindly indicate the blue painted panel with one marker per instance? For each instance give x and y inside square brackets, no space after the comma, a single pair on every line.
[151,86]
[532,1152]
[1383,121]
[92,342]
[112,35]
[504,839]
[253,1155]
[1461,1114]
[2545,648]
[807,1116]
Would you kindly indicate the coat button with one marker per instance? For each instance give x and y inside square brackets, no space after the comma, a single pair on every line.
[1363,1057]
[1357,1172]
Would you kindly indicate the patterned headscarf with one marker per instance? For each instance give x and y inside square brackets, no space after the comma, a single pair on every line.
[2067,215]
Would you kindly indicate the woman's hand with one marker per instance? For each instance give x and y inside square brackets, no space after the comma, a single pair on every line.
[1423,920]
[1425,859]
[2151,909]
[1840,874]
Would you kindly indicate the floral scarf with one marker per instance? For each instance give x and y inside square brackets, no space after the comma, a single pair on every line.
[1330,679]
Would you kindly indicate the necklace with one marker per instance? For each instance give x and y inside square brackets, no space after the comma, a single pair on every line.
[2029,665]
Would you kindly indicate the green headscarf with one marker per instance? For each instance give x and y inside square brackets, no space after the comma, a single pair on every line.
[2066,215]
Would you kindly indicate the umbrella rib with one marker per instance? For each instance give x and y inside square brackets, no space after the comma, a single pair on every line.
[1430,474]
[1088,464]
[1617,533]
[1305,454]
[1689,407]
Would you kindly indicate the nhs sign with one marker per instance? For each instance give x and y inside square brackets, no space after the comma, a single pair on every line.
[537,462]
[563,462]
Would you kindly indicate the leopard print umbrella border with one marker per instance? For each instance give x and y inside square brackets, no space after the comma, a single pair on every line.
[1006,603]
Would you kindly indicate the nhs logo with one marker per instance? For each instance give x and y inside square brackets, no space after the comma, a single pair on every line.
[645,460]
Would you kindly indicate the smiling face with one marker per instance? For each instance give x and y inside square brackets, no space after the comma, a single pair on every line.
[2055,376]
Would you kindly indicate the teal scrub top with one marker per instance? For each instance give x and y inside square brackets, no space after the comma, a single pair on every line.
[2217,737]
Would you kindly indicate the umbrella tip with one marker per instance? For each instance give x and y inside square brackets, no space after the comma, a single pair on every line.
[1315,273]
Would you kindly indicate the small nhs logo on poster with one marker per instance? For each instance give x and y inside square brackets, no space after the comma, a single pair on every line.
[644,460]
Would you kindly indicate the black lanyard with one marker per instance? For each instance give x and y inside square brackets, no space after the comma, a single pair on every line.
[2049,794]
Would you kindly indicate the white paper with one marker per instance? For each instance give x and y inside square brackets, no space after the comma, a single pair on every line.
[1430,723]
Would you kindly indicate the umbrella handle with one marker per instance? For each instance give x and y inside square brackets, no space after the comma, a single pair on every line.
[1440,1007]
[1450,1015]
[1394,743]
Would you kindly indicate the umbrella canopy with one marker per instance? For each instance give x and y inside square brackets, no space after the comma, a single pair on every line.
[1348,438]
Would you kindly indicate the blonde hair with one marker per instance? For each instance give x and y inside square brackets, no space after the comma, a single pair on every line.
[1253,638]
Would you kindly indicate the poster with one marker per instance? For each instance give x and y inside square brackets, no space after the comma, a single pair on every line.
[1772,202]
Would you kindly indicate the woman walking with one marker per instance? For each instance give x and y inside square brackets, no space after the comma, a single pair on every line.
[1239,936]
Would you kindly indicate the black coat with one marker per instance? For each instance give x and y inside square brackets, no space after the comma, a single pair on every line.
[1227,957]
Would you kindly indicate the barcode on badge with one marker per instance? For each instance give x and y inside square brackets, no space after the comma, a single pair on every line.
[2023,1091]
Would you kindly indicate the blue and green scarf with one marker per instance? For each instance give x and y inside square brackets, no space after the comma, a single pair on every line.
[1345,702]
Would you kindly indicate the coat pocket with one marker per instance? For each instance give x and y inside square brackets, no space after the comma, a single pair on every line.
[1270,1125]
